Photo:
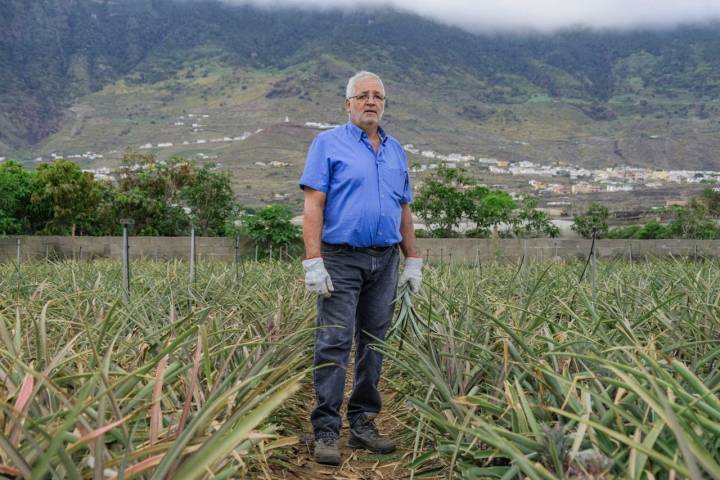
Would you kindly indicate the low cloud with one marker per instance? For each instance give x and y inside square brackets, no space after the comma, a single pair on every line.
[535,15]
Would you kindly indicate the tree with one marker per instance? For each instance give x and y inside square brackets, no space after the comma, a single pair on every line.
[489,210]
[166,197]
[594,219]
[210,198]
[16,185]
[450,196]
[65,195]
[528,221]
[442,202]
[147,193]
[711,199]
[271,226]
[105,218]
[693,221]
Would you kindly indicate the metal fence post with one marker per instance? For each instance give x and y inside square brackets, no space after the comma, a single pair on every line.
[18,255]
[192,255]
[126,259]
[270,253]
[237,256]
[257,250]
[594,263]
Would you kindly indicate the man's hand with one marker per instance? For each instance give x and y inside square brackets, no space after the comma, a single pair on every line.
[317,279]
[412,273]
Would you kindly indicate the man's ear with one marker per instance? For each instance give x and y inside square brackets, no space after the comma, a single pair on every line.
[347,105]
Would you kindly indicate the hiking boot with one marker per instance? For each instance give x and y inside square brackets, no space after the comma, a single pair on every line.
[327,449]
[364,434]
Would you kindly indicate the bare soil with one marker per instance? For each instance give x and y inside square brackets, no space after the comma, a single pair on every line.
[357,464]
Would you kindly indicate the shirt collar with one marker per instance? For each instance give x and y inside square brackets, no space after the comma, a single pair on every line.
[359,133]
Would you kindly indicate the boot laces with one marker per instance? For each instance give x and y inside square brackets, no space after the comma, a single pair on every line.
[367,426]
[326,438]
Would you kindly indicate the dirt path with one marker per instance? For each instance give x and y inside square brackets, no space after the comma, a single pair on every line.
[81,112]
[356,464]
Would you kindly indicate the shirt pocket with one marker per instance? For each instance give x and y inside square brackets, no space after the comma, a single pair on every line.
[393,179]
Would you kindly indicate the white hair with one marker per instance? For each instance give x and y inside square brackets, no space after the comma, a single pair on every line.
[350,90]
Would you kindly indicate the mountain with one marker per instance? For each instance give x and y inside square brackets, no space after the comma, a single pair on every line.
[106,75]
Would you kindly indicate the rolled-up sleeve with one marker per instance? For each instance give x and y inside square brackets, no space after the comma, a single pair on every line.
[317,166]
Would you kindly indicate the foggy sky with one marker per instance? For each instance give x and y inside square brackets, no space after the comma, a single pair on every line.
[534,15]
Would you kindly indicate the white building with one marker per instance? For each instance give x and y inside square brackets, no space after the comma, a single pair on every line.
[320,125]
[410,148]
[619,187]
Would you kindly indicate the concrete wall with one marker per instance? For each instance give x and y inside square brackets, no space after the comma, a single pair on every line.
[468,250]
[435,250]
[85,248]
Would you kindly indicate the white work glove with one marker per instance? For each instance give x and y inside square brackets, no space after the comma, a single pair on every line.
[412,273]
[317,279]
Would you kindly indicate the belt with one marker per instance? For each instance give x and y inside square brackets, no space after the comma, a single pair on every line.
[375,250]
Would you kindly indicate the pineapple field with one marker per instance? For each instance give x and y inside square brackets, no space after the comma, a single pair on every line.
[494,371]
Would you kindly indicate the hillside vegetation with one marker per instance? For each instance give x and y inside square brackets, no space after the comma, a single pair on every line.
[79,75]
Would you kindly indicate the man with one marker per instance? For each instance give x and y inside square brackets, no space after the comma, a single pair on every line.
[356,213]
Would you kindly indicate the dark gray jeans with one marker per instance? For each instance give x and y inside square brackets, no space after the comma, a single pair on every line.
[361,307]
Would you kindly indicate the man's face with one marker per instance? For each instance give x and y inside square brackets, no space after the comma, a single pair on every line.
[366,111]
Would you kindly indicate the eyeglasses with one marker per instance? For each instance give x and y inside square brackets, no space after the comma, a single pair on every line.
[365,96]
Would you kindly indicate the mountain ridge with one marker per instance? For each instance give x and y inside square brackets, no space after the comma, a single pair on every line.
[79,75]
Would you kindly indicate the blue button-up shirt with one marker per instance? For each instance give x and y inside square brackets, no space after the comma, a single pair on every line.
[364,189]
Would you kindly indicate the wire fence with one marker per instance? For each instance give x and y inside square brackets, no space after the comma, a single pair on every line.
[195,249]
[475,252]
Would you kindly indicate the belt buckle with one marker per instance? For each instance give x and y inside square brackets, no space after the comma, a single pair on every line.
[380,250]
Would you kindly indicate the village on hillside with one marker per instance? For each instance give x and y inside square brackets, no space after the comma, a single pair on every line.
[582,180]
[557,179]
